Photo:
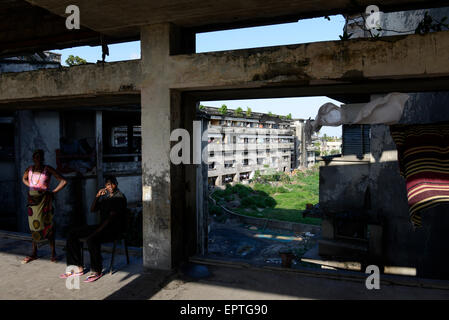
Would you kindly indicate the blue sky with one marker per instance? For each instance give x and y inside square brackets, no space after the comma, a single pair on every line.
[303,31]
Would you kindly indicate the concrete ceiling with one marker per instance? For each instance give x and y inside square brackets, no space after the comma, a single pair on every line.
[33,25]
[112,16]
[28,29]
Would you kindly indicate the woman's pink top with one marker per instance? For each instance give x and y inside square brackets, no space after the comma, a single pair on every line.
[39,180]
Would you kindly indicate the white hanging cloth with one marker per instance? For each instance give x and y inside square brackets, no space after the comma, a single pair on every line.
[384,110]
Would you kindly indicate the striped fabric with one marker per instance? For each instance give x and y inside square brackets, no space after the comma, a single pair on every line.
[423,155]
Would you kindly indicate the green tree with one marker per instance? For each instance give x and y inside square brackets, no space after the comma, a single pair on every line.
[74,60]
[223,109]
[238,111]
[289,116]
[248,111]
[270,114]
[201,107]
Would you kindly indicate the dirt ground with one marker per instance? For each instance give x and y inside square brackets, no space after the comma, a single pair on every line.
[255,245]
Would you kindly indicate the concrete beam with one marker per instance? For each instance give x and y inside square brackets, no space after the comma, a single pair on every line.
[331,63]
[119,17]
[91,80]
[33,25]
[404,63]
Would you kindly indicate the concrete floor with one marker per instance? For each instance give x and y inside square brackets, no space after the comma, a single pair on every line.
[39,280]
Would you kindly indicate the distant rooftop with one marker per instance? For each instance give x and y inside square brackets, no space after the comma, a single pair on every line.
[259,116]
[45,57]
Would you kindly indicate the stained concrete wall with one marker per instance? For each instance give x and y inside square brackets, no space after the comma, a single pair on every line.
[40,130]
[8,192]
[36,130]
[343,184]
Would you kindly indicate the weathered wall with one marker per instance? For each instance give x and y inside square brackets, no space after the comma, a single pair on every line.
[343,185]
[8,194]
[40,130]
[36,130]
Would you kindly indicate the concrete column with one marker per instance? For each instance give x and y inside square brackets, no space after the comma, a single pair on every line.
[99,147]
[163,183]
[202,192]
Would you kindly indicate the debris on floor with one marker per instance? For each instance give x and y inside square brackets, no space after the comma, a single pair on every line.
[258,246]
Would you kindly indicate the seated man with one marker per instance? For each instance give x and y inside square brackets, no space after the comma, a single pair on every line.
[111,203]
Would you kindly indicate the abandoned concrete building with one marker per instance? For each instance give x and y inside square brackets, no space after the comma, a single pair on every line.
[240,144]
[101,104]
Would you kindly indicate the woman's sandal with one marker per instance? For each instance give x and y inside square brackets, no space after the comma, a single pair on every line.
[71,274]
[28,259]
[93,277]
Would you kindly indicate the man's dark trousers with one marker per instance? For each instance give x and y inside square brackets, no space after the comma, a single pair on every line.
[73,245]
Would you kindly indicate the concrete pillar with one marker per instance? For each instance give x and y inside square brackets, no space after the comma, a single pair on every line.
[99,147]
[202,193]
[163,183]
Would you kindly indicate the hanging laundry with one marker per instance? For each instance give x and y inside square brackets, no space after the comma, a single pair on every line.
[423,156]
[384,110]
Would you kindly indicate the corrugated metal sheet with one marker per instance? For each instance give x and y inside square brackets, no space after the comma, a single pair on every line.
[356,139]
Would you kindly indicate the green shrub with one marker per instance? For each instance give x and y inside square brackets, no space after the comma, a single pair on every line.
[248,201]
[218,194]
[228,191]
[223,109]
[214,209]
[241,190]
[75,61]
[270,202]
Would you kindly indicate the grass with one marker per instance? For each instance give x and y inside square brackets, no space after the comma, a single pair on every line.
[285,198]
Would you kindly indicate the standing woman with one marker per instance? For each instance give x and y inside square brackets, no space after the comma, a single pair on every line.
[40,207]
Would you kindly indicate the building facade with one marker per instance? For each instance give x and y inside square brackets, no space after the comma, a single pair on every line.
[330,147]
[240,144]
